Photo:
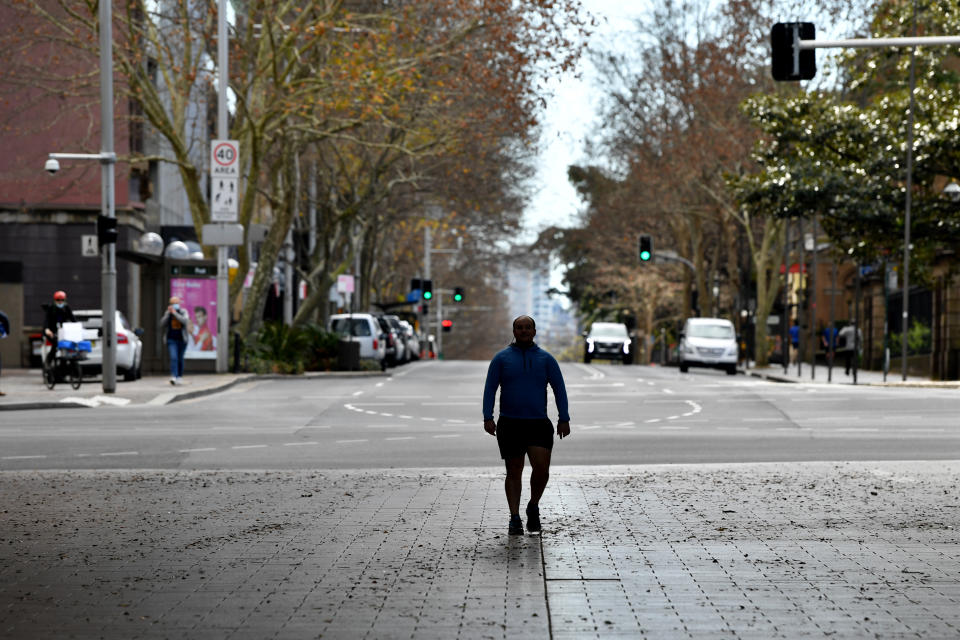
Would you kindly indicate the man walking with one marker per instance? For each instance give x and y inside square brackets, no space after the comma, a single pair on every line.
[522,372]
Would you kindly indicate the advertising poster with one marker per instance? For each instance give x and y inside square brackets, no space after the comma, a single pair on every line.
[199,297]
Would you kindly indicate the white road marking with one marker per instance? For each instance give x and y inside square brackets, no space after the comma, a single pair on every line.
[316,426]
[352,441]
[357,393]
[448,435]
[603,384]
[429,419]
[401,438]
[120,453]
[405,417]
[389,415]
[197,450]
[249,446]
[668,391]
[379,384]
[455,420]
[856,430]
[591,427]
[652,420]
[299,444]
[378,404]
[22,457]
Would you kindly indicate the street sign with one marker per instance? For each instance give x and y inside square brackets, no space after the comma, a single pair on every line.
[224,200]
[224,178]
[345,284]
[88,246]
[225,159]
[227,235]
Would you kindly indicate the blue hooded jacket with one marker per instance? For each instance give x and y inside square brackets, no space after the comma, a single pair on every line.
[522,376]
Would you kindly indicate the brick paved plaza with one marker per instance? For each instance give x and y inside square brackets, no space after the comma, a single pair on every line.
[845,550]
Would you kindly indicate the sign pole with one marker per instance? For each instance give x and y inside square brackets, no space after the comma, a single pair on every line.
[223,283]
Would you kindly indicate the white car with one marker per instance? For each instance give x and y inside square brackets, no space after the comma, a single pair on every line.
[708,342]
[365,329]
[413,340]
[129,346]
[607,340]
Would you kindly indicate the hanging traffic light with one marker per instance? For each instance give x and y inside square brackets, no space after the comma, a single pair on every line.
[646,248]
[106,231]
[427,289]
[447,325]
[458,294]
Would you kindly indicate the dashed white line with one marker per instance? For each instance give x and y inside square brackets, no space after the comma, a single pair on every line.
[401,438]
[651,420]
[198,449]
[249,446]
[590,427]
[299,444]
[448,435]
[120,453]
[352,441]
[357,393]
[405,417]
[22,457]
[668,391]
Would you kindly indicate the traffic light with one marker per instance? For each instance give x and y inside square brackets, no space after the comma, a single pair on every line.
[415,284]
[458,294]
[447,325]
[427,286]
[788,61]
[106,231]
[646,248]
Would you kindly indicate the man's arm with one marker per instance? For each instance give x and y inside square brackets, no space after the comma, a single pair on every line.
[490,395]
[555,378]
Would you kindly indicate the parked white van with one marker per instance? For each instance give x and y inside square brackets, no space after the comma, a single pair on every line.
[365,329]
[708,342]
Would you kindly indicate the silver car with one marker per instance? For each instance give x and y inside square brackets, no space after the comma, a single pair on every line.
[365,329]
[129,346]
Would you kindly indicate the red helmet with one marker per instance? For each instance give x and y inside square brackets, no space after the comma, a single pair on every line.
[60,295]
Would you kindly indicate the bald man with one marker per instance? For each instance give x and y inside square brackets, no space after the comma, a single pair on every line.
[522,372]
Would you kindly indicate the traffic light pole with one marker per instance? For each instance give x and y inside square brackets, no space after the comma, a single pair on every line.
[425,317]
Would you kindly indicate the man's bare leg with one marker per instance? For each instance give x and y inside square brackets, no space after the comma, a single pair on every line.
[513,484]
[540,462]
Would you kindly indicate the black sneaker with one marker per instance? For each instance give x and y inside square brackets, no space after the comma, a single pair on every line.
[533,519]
[516,526]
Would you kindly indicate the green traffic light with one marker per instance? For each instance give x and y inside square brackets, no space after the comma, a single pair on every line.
[427,295]
[458,297]
[644,255]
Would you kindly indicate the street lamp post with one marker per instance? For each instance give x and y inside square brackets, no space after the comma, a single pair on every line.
[108,160]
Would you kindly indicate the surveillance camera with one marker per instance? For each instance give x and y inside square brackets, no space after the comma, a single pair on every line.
[52,166]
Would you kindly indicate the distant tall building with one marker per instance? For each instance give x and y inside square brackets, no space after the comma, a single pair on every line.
[527,287]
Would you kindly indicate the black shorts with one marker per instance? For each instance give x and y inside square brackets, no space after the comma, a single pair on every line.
[514,435]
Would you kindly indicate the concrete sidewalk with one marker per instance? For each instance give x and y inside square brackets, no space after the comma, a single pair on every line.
[821,374]
[838,550]
[24,389]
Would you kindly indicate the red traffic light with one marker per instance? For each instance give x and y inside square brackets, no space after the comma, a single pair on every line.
[446,324]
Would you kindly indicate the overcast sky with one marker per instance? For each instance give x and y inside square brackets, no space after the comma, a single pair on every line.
[569,118]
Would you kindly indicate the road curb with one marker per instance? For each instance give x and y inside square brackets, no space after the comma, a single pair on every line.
[166,398]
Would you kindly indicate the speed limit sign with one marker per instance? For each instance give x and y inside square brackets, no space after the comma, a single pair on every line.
[224,159]
[224,180]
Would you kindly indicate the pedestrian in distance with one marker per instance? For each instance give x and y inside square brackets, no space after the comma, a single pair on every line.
[828,340]
[850,342]
[175,322]
[4,332]
[55,315]
[522,372]
[794,341]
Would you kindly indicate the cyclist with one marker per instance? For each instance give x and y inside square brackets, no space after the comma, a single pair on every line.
[56,315]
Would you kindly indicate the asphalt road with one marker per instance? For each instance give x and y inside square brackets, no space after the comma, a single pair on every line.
[428,415]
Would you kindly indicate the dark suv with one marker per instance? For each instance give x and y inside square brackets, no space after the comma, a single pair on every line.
[609,341]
